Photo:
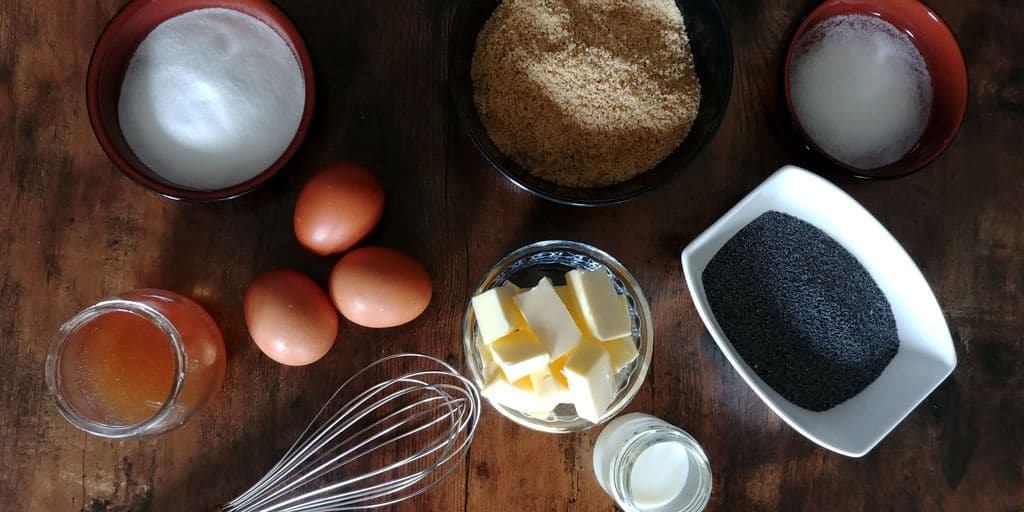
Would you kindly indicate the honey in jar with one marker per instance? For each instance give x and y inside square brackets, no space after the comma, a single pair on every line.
[138,363]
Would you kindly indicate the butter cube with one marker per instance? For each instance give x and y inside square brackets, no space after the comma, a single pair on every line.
[548,388]
[516,395]
[512,286]
[549,319]
[557,365]
[591,380]
[519,354]
[490,367]
[622,351]
[565,293]
[496,313]
[599,303]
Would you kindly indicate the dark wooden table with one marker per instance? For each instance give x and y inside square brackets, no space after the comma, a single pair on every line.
[73,229]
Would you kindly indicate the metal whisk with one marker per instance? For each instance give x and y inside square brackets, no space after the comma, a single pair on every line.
[386,443]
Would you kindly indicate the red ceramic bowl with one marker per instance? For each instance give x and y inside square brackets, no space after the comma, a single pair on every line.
[935,41]
[113,52]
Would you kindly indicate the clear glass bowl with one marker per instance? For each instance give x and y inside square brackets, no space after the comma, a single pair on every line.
[553,258]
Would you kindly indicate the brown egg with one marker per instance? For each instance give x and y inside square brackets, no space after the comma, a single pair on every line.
[290,317]
[380,287]
[337,207]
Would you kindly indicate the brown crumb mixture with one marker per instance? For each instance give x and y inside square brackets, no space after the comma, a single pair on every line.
[585,93]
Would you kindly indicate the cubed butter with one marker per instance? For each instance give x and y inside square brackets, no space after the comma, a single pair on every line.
[548,388]
[557,365]
[622,351]
[549,319]
[512,286]
[565,293]
[490,367]
[519,354]
[591,380]
[599,303]
[516,395]
[496,313]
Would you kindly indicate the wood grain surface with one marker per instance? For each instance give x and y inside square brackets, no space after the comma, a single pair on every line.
[73,229]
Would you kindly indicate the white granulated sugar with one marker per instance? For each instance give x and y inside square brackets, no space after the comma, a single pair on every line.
[211,99]
[861,90]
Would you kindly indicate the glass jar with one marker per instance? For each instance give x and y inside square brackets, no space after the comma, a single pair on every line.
[135,364]
[648,465]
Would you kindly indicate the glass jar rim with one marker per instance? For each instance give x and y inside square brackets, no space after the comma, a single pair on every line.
[66,333]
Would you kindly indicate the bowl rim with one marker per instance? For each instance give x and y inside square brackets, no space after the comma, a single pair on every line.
[92,94]
[749,376]
[463,115]
[641,367]
[865,174]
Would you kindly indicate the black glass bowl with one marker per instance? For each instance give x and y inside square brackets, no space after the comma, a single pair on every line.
[712,55]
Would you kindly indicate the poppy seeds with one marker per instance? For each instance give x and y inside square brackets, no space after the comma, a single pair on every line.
[803,313]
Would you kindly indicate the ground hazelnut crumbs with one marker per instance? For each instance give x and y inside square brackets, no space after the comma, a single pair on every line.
[585,93]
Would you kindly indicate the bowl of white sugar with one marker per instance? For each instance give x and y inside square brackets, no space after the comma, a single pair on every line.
[200,100]
[879,88]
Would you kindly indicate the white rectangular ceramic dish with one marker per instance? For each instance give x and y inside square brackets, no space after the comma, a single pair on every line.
[926,355]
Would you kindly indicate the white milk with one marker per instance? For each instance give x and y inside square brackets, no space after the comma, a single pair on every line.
[659,474]
[861,90]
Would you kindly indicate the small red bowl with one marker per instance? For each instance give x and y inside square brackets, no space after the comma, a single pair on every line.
[114,51]
[941,53]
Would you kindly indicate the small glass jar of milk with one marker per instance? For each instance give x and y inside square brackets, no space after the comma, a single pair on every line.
[648,465]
